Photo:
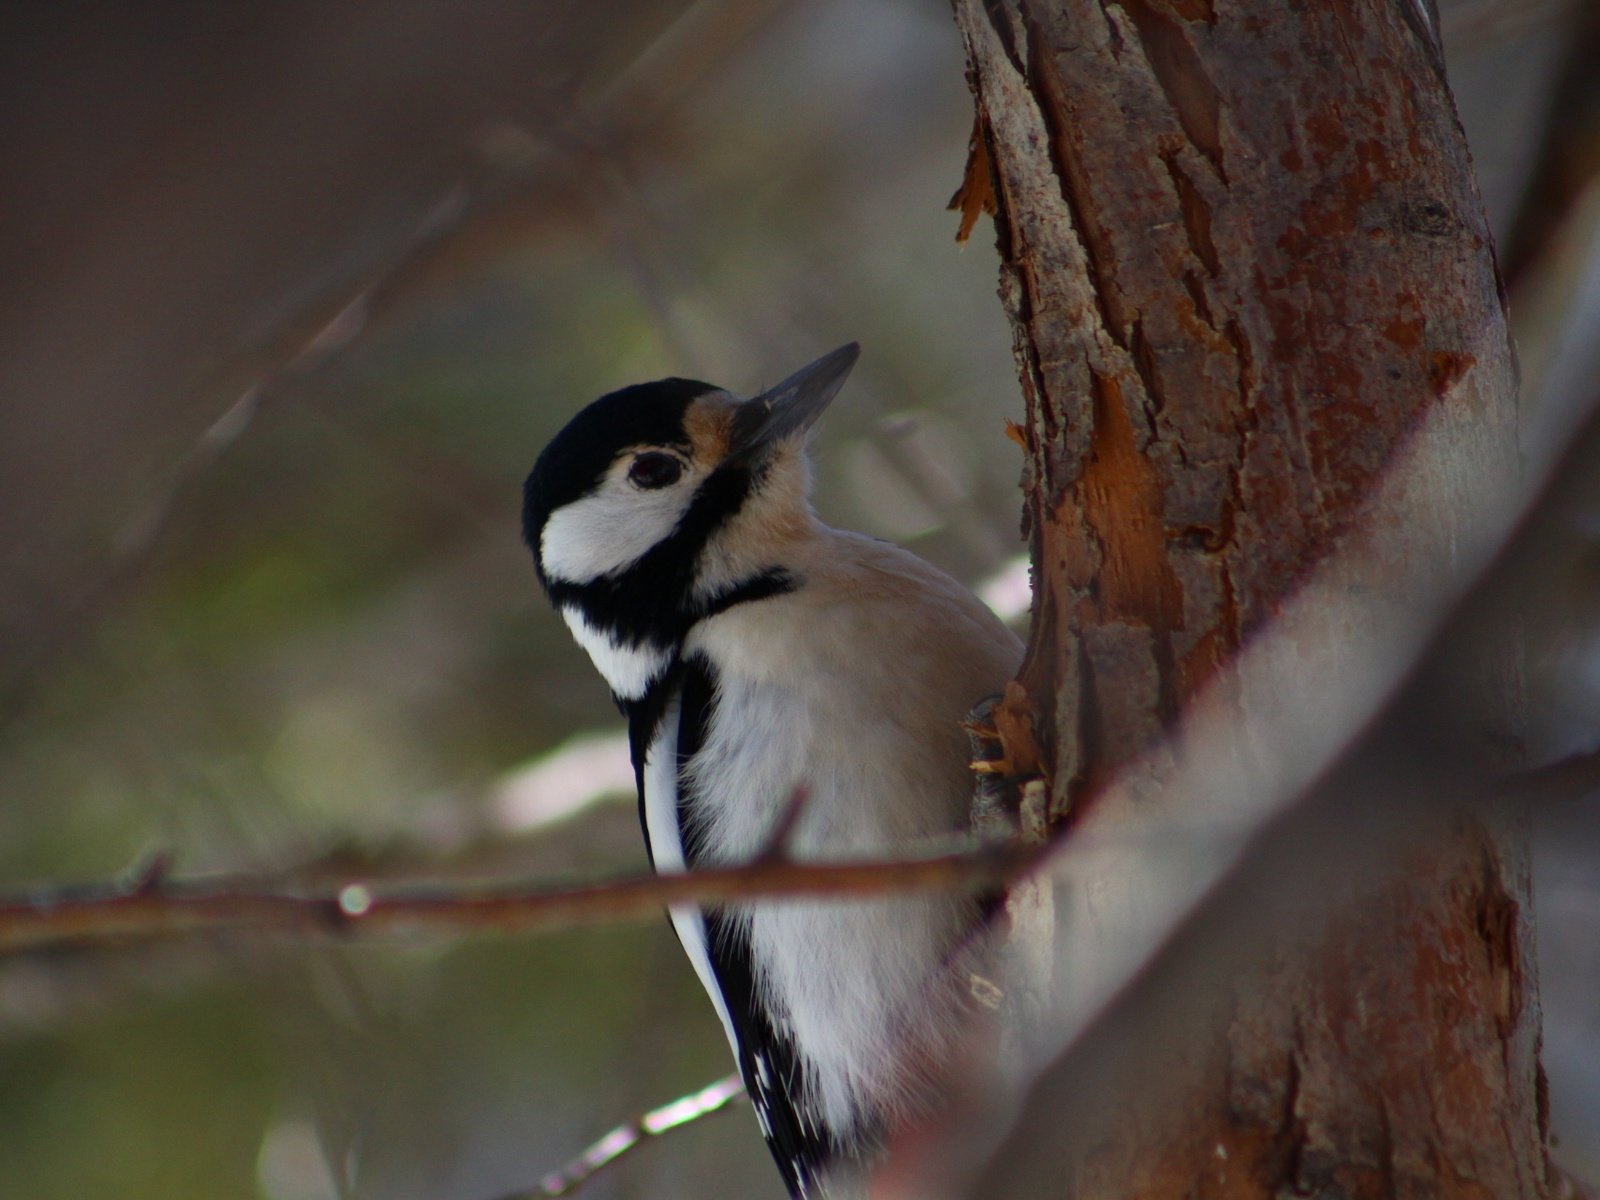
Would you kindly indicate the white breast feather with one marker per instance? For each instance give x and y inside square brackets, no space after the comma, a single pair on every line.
[853,686]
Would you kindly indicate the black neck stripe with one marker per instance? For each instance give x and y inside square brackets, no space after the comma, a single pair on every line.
[644,714]
[652,601]
[774,581]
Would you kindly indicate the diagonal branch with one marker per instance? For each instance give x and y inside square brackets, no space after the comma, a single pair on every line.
[711,1099]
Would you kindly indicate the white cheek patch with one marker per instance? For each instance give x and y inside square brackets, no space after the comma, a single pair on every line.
[628,669]
[609,530]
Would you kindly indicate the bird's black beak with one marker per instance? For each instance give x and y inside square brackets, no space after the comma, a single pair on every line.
[764,421]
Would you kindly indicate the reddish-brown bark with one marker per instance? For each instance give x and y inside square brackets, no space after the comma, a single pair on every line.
[1245,263]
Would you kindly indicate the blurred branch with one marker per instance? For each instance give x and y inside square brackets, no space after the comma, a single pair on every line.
[502,190]
[158,907]
[1567,1186]
[1342,787]
[1566,166]
[1559,782]
[1475,24]
[312,338]
[711,1099]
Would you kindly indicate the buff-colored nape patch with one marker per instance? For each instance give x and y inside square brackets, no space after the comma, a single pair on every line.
[709,424]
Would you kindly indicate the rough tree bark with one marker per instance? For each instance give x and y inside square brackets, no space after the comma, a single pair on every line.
[1247,267]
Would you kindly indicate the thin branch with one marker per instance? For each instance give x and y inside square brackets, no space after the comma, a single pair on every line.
[148,903]
[713,1098]
[163,908]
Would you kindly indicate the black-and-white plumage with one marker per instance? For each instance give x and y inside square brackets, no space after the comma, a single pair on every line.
[755,652]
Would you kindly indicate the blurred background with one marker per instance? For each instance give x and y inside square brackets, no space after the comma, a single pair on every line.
[291,295]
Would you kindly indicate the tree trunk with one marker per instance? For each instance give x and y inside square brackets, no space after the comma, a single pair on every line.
[1246,267]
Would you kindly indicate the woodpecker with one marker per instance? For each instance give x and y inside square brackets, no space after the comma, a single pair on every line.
[784,683]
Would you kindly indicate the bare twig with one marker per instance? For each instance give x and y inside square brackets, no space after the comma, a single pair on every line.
[148,903]
[164,908]
[713,1098]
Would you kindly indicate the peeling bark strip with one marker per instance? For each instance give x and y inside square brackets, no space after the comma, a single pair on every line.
[1245,263]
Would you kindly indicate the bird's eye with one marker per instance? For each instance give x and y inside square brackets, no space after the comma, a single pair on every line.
[654,469]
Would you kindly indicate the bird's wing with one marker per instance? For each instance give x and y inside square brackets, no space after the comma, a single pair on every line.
[800,1145]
